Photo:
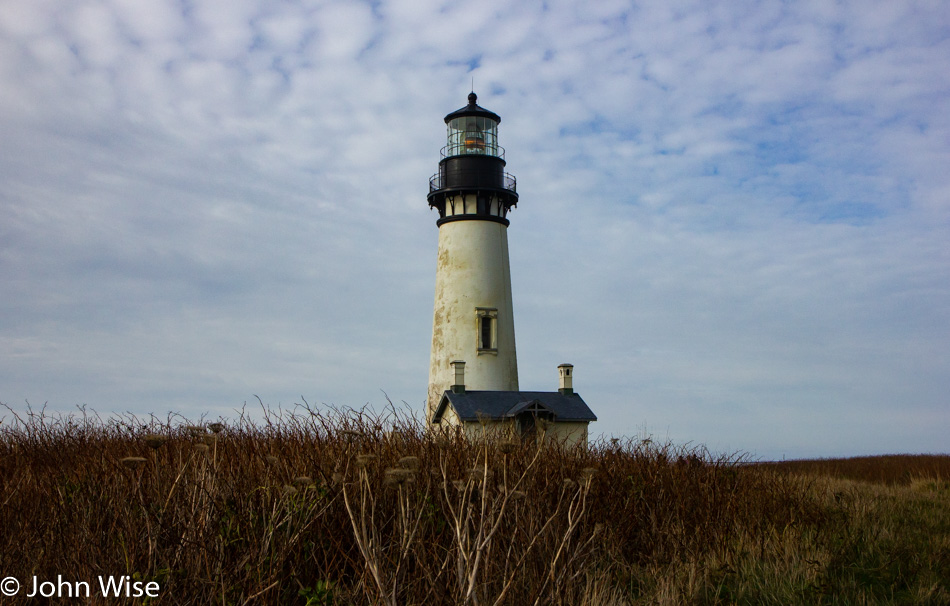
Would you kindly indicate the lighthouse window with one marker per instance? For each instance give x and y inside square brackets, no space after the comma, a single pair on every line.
[487,330]
[482,204]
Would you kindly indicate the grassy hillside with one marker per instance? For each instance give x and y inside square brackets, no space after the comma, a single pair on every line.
[320,508]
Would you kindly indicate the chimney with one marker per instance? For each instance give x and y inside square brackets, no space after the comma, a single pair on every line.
[459,385]
[566,383]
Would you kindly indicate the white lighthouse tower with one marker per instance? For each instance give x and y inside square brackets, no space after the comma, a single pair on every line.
[472,320]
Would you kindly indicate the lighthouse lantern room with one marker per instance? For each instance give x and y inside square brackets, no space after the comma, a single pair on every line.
[472,178]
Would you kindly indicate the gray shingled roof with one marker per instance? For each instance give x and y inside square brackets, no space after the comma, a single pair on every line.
[506,404]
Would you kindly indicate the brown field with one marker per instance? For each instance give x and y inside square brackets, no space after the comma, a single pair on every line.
[884,469]
[318,508]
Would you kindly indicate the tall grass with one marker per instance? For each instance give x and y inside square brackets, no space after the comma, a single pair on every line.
[886,469]
[343,507]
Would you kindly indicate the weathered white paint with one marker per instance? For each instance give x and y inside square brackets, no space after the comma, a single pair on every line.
[449,418]
[472,272]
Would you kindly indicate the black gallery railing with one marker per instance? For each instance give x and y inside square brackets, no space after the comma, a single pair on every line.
[473,178]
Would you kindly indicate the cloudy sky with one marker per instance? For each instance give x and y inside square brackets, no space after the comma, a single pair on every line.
[734,217]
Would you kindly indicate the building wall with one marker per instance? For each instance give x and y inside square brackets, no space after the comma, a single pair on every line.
[567,433]
[472,272]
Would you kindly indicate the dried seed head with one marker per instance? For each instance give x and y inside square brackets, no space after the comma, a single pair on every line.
[364,460]
[271,459]
[210,439]
[201,447]
[598,528]
[508,446]
[289,490]
[303,480]
[195,430]
[132,462]
[351,433]
[216,427]
[569,484]
[409,462]
[587,473]
[443,440]
[396,476]
[337,477]
[480,474]
[154,441]
[516,495]
[460,484]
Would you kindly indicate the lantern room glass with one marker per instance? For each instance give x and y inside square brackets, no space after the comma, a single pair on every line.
[472,135]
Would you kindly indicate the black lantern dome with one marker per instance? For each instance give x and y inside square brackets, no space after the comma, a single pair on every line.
[473,164]
[473,109]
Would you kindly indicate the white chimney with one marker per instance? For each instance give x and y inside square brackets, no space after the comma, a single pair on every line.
[459,385]
[566,379]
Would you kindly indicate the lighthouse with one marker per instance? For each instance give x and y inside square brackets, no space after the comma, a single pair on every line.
[472,319]
[473,368]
